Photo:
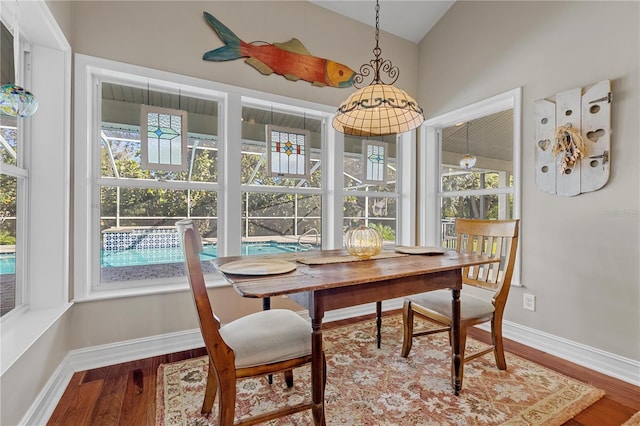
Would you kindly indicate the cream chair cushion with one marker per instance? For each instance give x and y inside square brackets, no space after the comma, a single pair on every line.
[267,336]
[439,301]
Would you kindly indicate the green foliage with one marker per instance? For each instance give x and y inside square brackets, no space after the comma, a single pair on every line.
[387,232]
[266,213]
[474,207]
[6,238]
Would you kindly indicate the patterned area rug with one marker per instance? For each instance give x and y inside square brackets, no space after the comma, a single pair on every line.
[633,421]
[370,386]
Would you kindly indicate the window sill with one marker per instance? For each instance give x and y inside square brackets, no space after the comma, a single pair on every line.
[119,293]
[22,328]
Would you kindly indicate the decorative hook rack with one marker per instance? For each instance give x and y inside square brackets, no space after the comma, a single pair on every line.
[573,137]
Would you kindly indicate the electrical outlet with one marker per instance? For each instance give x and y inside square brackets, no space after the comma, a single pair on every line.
[529,302]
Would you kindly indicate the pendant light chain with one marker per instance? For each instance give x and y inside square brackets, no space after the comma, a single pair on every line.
[376,50]
[379,108]
[467,126]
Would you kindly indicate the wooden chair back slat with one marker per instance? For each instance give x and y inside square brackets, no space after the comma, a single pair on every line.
[491,238]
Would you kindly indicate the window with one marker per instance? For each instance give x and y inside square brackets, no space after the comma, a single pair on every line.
[13,175]
[36,179]
[10,238]
[145,190]
[490,189]
[281,177]
[262,176]
[370,185]
[484,191]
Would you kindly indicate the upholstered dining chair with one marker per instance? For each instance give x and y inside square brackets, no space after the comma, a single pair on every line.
[492,238]
[262,343]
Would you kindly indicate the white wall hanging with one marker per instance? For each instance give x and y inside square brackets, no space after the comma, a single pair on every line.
[573,136]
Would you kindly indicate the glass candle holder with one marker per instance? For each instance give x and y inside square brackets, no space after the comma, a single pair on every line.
[363,242]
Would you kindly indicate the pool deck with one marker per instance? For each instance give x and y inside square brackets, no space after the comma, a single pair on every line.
[148,272]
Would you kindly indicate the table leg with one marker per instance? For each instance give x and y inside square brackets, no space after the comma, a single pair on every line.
[317,371]
[456,364]
[266,305]
[379,322]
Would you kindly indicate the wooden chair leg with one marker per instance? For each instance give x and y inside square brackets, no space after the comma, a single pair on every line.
[407,323]
[498,347]
[288,378]
[227,403]
[210,392]
[379,322]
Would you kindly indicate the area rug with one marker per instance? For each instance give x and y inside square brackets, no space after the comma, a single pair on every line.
[371,386]
[633,421]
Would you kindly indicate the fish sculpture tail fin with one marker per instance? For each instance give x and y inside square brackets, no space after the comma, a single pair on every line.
[231,48]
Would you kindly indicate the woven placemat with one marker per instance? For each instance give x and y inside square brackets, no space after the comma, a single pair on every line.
[347,258]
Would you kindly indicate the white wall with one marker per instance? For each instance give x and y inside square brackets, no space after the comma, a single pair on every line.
[580,255]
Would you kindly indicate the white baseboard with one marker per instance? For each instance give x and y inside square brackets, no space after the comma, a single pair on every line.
[101,356]
[625,369]
[612,365]
[43,406]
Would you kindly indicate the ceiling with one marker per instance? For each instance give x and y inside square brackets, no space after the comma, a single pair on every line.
[409,19]
[490,136]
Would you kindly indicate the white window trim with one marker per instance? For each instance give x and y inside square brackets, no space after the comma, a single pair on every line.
[88,69]
[430,159]
[47,159]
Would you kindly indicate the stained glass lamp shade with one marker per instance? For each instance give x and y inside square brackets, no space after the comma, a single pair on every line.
[376,110]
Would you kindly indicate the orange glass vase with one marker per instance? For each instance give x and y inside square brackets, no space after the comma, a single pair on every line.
[363,242]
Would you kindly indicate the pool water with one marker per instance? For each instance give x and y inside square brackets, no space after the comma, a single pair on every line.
[7,263]
[136,257]
[154,256]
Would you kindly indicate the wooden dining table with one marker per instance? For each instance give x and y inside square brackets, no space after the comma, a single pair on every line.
[324,280]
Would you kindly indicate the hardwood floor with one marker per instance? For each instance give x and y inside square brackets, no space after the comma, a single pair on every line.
[125,394]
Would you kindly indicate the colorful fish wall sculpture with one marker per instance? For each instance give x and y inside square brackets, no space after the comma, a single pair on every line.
[291,59]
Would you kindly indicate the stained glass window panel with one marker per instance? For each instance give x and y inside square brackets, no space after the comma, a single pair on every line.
[164,143]
[288,152]
[375,161]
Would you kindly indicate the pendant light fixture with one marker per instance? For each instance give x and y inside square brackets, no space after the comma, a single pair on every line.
[377,109]
[468,161]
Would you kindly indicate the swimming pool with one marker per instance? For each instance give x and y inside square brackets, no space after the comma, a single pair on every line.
[7,263]
[154,256]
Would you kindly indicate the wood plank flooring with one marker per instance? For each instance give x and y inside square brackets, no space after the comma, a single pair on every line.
[125,394]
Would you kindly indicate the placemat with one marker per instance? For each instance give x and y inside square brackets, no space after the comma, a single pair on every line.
[346,258]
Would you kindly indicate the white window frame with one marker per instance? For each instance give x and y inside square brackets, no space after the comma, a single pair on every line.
[296,190]
[90,73]
[430,162]
[88,70]
[45,208]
